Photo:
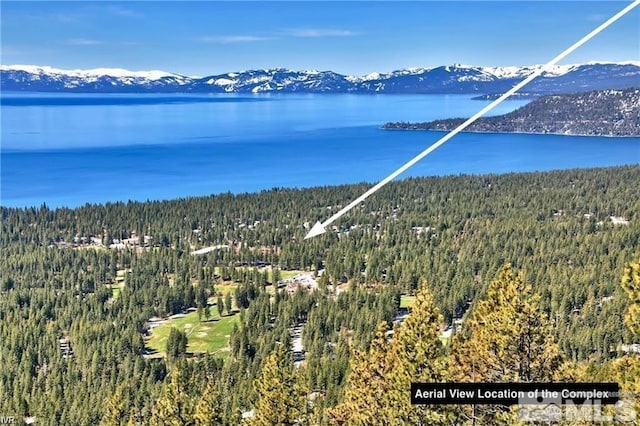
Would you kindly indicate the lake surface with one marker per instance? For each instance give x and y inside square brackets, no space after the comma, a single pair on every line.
[67,150]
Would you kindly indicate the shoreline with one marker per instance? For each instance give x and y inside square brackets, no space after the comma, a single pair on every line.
[367,184]
[510,133]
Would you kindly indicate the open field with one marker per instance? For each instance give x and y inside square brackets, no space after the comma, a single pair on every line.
[284,274]
[119,282]
[207,336]
[407,301]
[116,289]
[225,288]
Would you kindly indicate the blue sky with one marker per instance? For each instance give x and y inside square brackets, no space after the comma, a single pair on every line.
[357,37]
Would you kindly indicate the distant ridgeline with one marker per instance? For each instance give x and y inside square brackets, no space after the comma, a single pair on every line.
[597,113]
[448,79]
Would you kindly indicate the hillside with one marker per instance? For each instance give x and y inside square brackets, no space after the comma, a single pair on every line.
[596,113]
[449,79]
[80,354]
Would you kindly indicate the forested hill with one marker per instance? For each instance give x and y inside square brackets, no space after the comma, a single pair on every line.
[596,113]
[85,293]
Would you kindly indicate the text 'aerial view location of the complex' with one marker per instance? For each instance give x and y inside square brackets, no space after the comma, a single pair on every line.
[320,213]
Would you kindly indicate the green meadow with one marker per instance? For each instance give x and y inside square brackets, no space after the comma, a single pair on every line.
[406,301]
[208,336]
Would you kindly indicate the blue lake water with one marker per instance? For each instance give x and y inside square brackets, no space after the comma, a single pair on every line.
[67,150]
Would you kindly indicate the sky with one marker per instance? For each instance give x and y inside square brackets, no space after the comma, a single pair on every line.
[356,37]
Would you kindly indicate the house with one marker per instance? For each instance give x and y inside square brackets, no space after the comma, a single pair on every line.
[303,281]
[619,220]
[65,347]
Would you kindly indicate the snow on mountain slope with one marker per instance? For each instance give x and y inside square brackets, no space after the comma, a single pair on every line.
[522,72]
[456,78]
[97,72]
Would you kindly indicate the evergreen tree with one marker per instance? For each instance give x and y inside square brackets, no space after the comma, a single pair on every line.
[276,276]
[116,410]
[626,370]
[174,407]
[280,397]
[416,355]
[176,344]
[227,303]
[133,418]
[220,306]
[506,339]
[562,236]
[631,284]
[208,409]
[366,394]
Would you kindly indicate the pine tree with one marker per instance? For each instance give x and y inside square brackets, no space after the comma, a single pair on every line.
[133,418]
[275,276]
[280,397]
[631,284]
[174,407]
[220,306]
[208,409]
[416,355]
[227,303]
[506,339]
[176,344]
[366,394]
[626,370]
[116,409]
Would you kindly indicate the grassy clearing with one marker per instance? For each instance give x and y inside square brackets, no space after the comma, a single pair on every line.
[207,336]
[116,289]
[225,288]
[119,282]
[285,275]
[407,301]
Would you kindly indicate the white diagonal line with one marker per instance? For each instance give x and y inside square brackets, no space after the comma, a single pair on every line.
[319,228]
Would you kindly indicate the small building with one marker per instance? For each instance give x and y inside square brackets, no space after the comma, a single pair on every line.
[65,347]
[619,220]
[633,348]
[300,281]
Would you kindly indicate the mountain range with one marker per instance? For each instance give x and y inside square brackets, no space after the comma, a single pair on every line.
[450,79]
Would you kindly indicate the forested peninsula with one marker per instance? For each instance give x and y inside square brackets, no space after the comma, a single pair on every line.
[215,310]
[598,113]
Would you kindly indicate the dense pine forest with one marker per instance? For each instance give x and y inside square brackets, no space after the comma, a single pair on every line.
[494,278]
[596,113]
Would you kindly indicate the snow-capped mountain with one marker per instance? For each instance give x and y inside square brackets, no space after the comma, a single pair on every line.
[455,78]
[279,79]
[48,79]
